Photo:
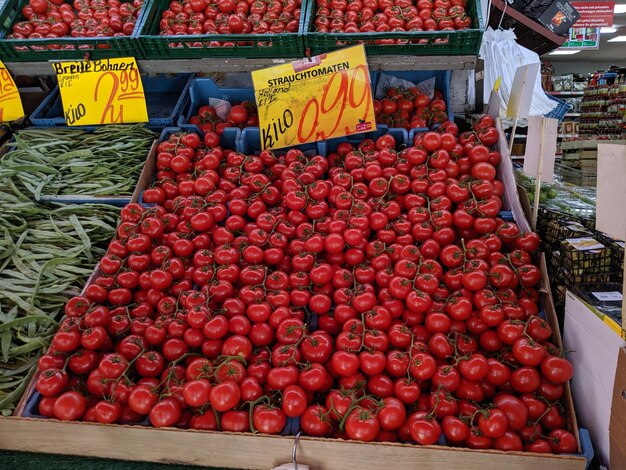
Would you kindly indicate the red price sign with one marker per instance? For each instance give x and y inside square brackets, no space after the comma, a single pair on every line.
[594,14]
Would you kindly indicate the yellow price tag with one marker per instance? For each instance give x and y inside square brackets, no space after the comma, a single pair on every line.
[10,102]
[496,85]
[107,91]
[327,96]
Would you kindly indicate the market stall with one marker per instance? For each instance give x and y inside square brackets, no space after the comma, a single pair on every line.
[233,232]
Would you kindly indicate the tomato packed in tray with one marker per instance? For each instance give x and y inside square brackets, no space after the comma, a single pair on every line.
[374,294]
[408,108]
[44,19]
[199,17]
[217,118]
[382,16]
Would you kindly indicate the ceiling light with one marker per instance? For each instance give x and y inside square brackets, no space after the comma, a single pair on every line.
[619,9]
[566,51]
[608,30]
[618,39]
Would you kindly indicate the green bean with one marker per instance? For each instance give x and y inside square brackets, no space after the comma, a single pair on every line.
[47,252]
[55,162]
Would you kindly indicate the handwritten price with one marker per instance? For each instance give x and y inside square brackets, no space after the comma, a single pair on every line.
[100,92]
[8,95]
[347,92]
[326,97]
[327,114]
[124,85]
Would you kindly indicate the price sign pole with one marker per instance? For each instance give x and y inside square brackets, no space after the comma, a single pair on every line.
[107,91]
[324,97]
[10,102]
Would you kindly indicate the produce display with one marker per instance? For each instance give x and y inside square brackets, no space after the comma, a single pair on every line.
[200,17]
[54,162]
[375,294]
[210,119]
[410,109]
[560,196]
[46,255]
[78,19]
[381,16]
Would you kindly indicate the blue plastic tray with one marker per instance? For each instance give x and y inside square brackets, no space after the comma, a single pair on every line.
[31,410]
[165,99]
[560,111]
[250,143]
[229,140]
[330,146]
[118,201]
[201,89]
[442,83]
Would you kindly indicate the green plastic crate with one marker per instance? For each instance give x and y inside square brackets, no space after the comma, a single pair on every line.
[66,48]
[193,46]
[463,42]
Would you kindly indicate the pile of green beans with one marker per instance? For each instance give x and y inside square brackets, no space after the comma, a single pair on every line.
[47,253]
[55,162]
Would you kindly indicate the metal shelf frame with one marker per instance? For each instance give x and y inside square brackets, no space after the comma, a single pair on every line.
[463,62]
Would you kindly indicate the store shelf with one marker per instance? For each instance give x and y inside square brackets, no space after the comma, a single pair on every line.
[566,93]
[530,34]
[572,115]
[464,62]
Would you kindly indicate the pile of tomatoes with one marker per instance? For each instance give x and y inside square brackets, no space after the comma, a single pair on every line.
[82,18]
[240,115]
[382,16]
[374,294]
[199,17]
[408,108]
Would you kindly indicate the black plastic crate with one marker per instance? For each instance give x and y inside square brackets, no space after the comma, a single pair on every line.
[603,297]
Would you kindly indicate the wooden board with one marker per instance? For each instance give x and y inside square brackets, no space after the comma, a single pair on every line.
[223,449]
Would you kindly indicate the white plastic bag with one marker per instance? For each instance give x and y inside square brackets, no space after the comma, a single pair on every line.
[502,56]
[387,81]
[222,107]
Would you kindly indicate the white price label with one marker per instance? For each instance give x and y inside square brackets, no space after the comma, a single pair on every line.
[608,296]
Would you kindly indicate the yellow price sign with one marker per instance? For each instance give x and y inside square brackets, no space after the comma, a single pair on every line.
[107,91]
[10,102]
[327,96]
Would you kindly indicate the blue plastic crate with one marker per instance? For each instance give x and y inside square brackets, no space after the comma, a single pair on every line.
[442,83]
[201,89]
[165,99]
[560,111]
[329,146]
[586,446]
[228,140]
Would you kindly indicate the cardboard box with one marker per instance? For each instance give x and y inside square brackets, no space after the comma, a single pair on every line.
[249,451]
[559,17]
[258,451]
[617,427]
[224,449]
[593,347]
